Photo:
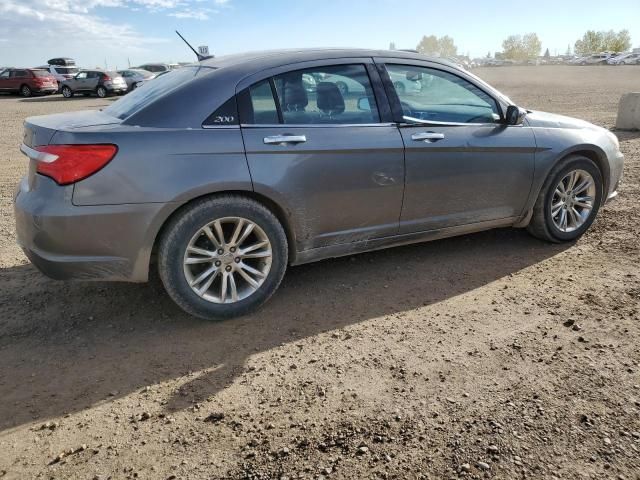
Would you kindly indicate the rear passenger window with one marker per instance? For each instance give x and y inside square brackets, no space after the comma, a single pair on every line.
[339,94]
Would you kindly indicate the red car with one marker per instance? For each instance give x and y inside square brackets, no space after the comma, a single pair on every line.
[27,81]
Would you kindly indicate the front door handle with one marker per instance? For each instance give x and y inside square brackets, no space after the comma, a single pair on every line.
[428,137]
[284,139]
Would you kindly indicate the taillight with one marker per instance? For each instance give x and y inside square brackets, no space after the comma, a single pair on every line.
[106,78]
[71,163]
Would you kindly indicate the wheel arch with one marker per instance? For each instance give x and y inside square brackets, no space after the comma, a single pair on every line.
[273,206]
[592,152]
[598,156]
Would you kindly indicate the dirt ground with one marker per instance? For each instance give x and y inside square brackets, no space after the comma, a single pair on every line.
[492,355]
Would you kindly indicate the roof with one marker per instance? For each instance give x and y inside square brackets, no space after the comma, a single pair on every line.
[280,57]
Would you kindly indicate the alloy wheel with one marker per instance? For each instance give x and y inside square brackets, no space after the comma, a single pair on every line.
[227,260]
[573,200]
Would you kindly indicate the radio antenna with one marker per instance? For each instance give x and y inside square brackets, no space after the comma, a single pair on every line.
[200,57]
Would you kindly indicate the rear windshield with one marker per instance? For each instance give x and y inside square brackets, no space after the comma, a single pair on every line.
[66,70]
[152,90]
[40,73]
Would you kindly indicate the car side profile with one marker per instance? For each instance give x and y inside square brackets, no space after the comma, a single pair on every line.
[96,82]
[27,81]
[230,170]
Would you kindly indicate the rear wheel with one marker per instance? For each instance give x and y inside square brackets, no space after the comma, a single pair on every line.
[67,92]
[222,257]
[569,200]
[101,91]
[25,91]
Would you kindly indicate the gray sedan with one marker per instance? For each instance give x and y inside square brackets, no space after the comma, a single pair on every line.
[232,169]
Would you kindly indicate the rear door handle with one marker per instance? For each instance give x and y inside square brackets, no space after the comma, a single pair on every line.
[428,137]
[284,139]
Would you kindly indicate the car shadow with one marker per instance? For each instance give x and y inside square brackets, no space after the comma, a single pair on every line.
[66,346]
[58,98]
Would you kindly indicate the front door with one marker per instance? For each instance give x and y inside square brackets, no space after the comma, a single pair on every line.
[5,81]
[463,164]
[315,141]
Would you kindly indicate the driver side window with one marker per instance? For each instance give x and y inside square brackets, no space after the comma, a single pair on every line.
[441,97]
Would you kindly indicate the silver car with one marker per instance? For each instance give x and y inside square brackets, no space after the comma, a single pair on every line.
[230,170]
[100,82]
[135,77]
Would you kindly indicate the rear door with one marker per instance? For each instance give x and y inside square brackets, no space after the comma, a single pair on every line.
[330,154]
[93,79]
[464,165]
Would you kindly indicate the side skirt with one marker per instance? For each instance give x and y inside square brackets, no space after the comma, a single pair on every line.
[344,249]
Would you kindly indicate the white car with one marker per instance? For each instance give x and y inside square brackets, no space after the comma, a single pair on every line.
[61,73]
[626,59]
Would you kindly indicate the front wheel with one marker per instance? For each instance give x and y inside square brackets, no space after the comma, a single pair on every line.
[222,257]
[569,201]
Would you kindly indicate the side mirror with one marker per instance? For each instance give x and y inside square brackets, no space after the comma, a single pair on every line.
[363,104]
[515,115]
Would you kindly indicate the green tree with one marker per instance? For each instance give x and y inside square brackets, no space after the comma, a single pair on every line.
[532,45]
[547,54]
[447,47]
[595,42]
[617,42]
[428,45]
[432,45]
[516,47]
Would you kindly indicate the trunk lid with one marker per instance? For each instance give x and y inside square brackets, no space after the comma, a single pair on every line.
[39,130]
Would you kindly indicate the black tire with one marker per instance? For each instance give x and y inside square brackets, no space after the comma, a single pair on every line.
[542,225]
[67,92]
[343,88]
[25,91]
[400,88]
[183,226]
[101,91]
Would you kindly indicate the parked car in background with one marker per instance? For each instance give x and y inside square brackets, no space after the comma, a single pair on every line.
[100,82]
[626,59]
[61,68]
[596,59]
[154,67]
[135,77]
[27,81]
[229,191]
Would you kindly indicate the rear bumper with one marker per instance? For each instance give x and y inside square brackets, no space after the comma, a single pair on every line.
[45,89]
[64,241]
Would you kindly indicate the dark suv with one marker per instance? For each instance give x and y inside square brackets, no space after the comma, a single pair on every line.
[94,81]
[27,81]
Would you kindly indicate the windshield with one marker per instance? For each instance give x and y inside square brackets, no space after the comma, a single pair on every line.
[151,91]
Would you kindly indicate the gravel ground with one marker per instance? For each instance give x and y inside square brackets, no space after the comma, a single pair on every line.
[491,355]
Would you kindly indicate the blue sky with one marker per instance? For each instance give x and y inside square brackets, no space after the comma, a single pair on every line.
[118,31]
